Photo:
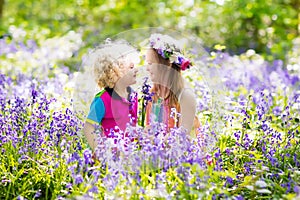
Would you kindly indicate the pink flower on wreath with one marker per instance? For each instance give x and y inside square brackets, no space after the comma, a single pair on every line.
[170,49]
[185,65]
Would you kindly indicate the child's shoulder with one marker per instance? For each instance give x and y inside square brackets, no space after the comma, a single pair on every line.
[102,94]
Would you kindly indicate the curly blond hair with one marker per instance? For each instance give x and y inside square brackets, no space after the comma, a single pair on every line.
[108,63]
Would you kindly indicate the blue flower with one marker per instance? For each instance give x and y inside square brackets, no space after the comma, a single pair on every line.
[94,190]
[38,194]
[78,179]
[229,181]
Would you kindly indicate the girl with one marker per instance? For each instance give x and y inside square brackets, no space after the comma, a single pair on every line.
[173,103]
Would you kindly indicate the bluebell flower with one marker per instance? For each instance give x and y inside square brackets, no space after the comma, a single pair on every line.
[229,181]
[78,179]
[94,190]
[87,154]
[297,189]
[69,185]
[37,194]
[21,198]
[239,197]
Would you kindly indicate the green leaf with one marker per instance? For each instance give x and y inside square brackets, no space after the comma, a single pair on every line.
[247,180]
[290,196]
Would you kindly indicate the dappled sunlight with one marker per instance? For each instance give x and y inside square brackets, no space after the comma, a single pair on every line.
[252,149]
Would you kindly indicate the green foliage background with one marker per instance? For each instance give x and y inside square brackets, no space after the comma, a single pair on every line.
[267,26]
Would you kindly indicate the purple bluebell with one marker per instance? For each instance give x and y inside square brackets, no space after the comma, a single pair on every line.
[78,179]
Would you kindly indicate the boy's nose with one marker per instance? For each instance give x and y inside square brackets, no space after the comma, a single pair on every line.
[131,66]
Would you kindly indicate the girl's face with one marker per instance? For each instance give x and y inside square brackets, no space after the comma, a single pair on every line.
[152,66]
[159,69]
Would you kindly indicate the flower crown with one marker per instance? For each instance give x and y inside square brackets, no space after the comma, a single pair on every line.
[169,48]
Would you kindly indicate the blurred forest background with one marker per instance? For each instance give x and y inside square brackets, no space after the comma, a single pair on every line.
[267,26]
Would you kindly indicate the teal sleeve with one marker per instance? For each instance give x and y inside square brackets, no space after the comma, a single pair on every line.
[97,111]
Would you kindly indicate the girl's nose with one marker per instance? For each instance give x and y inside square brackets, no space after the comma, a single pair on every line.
[148,68]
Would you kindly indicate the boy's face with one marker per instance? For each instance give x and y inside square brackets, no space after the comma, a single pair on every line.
[129,72]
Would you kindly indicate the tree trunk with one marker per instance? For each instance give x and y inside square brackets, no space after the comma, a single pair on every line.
[1,8]
[296,5]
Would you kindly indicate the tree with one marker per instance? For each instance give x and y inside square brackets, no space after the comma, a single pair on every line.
[1,8]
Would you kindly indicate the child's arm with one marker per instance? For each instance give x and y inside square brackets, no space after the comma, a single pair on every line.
[89,132]
[94,118]
[188,109]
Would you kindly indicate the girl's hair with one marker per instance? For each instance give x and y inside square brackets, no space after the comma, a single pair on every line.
[172,75]
[107,62]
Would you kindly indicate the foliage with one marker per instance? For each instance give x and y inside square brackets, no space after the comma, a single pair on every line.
[268,27]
